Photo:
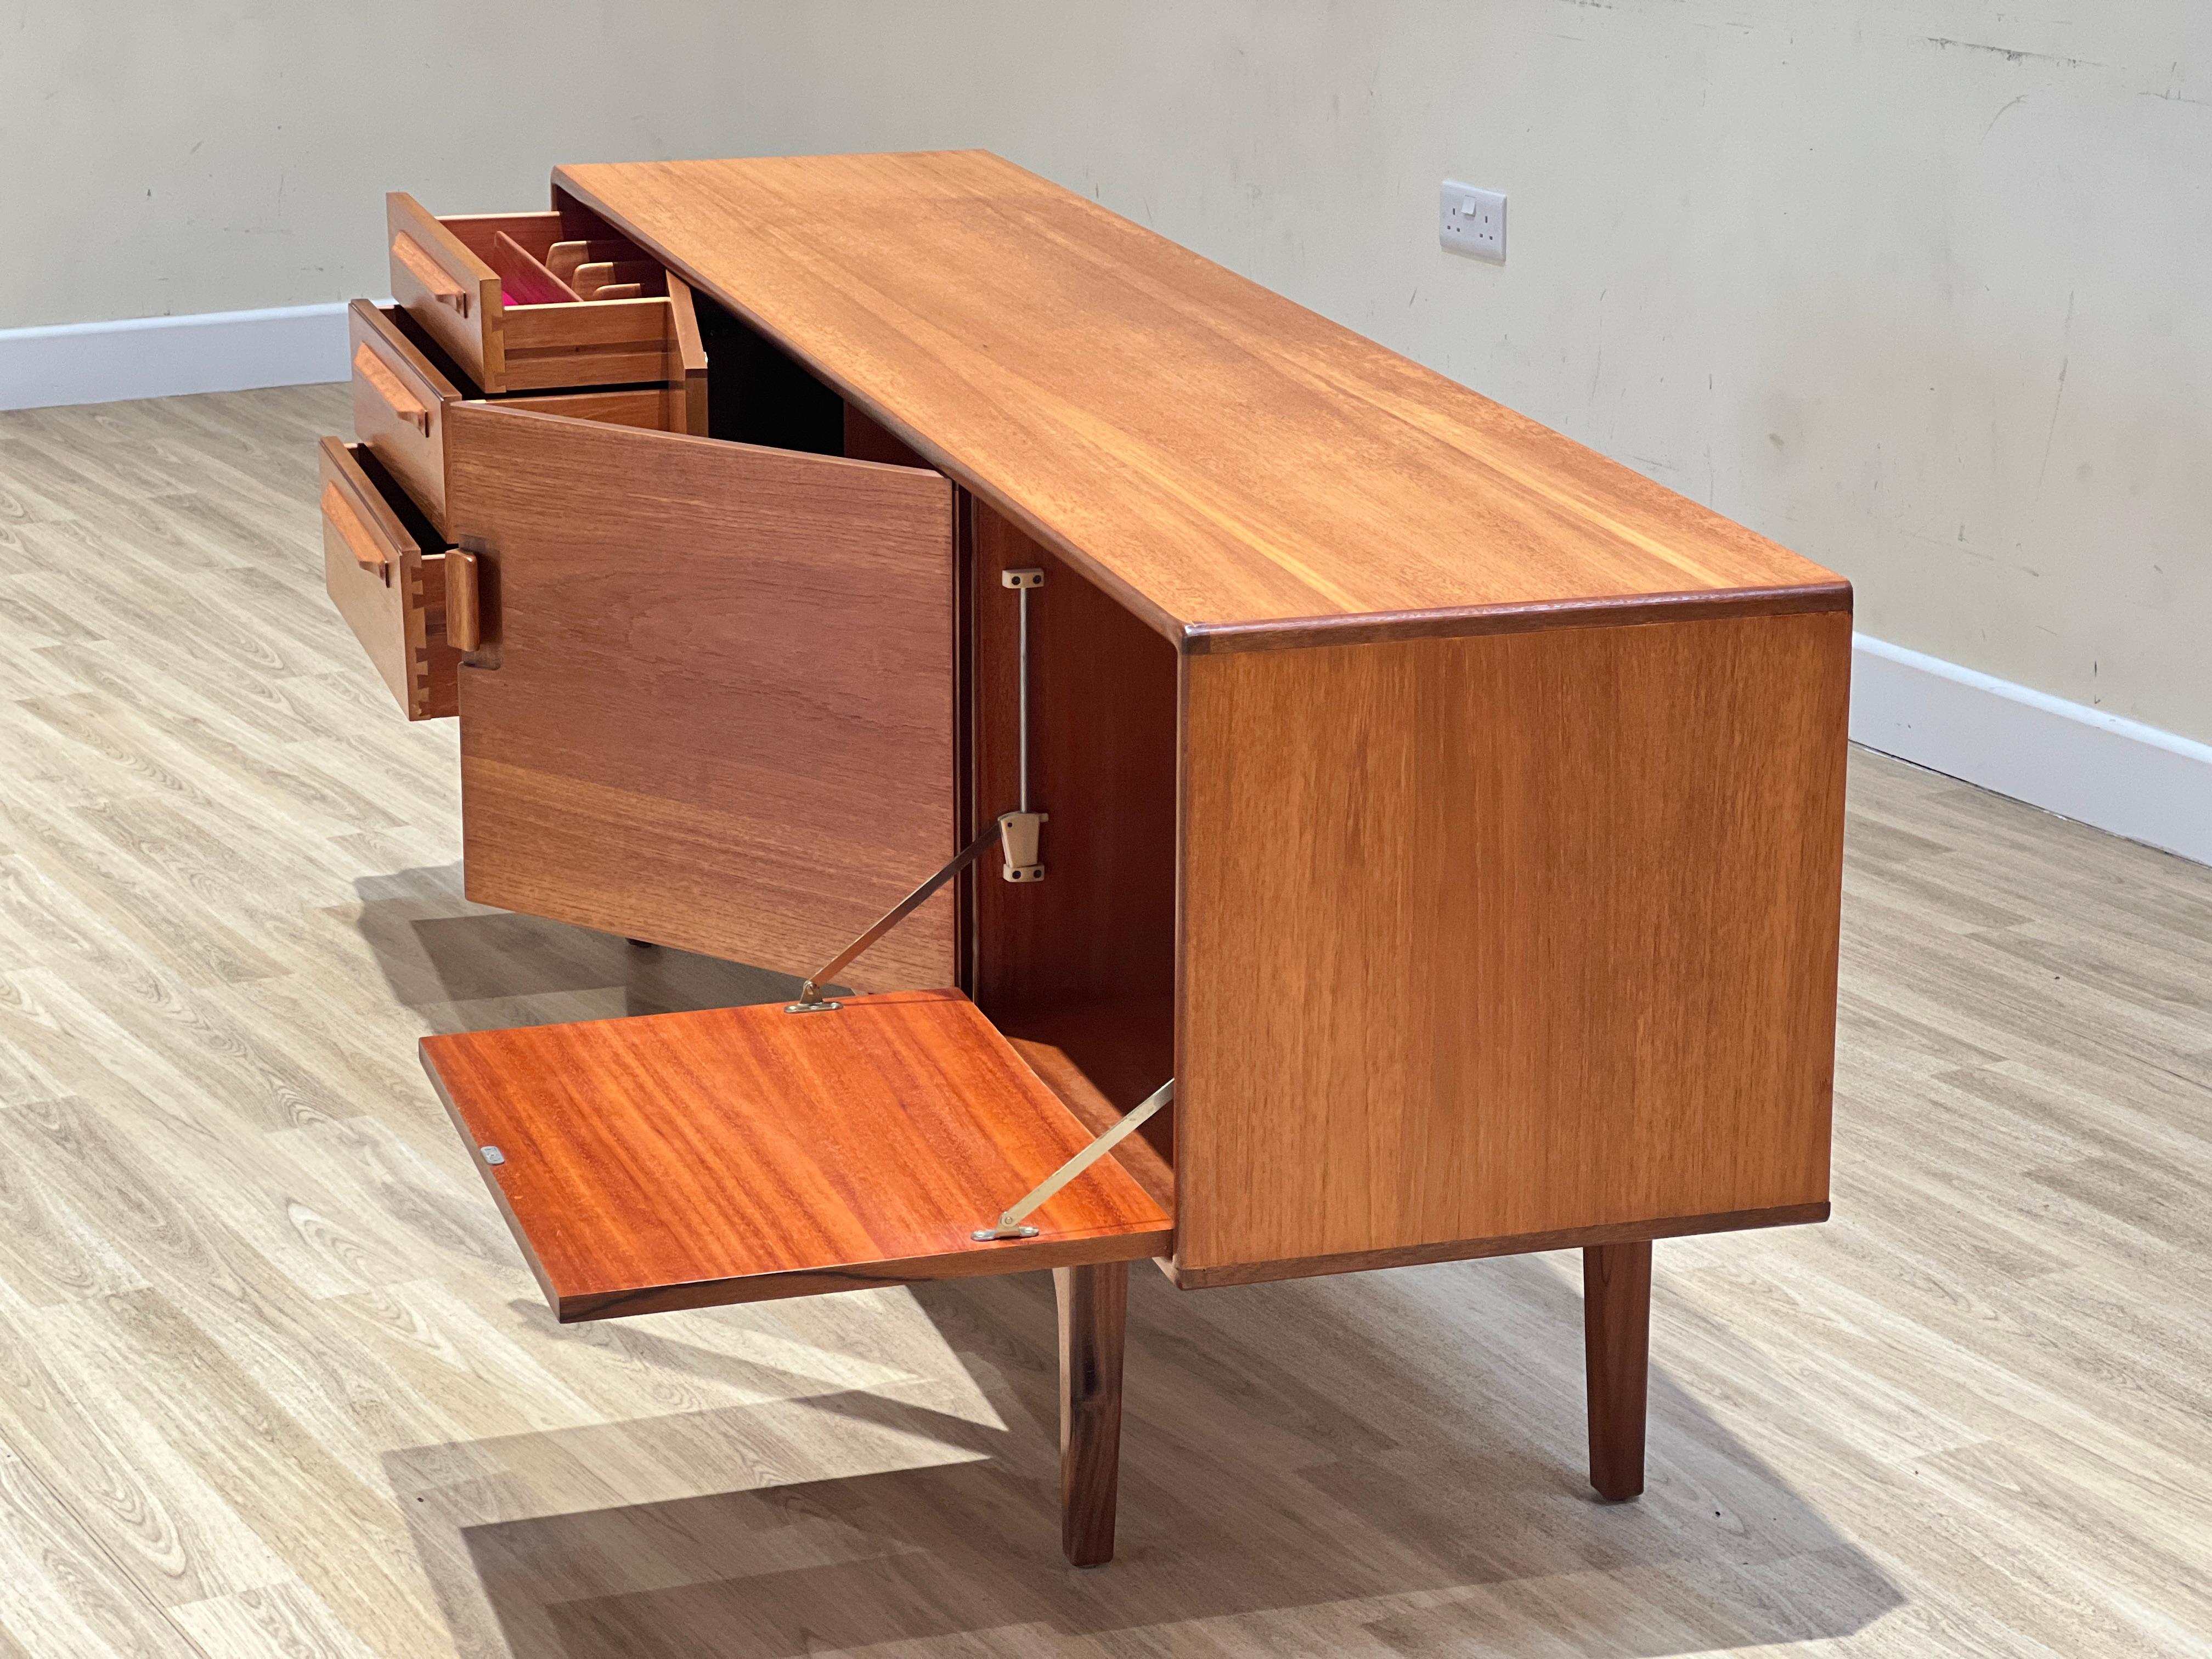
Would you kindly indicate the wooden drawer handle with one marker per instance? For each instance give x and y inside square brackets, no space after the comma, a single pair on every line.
[377,374]
[429,273]
[464,613]
[367,553]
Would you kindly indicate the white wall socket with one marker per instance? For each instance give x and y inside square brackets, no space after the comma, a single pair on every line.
[1471,220]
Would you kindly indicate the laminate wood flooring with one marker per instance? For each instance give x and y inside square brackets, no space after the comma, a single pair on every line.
[273,1381]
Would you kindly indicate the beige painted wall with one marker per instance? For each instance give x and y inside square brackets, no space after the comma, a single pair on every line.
[1922,289]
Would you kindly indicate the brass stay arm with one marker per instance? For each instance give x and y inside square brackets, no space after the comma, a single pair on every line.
[1018,829]
[1009,1224]
[810,999]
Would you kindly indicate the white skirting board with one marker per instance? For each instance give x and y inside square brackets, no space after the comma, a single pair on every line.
[2115,773]
[169,356]
[2118,774]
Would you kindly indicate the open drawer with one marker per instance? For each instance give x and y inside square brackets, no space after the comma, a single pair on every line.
[401,395]
[531,301]
[743,1154]
[388,577]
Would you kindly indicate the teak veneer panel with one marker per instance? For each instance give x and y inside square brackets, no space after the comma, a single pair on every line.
[1238,469]
[388,364]
[1088,954]
[720,715]
[1102,763]
[1506,937]
[741,1154]
[413,455]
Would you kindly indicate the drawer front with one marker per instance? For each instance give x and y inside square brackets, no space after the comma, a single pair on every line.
[389,589]
[401,399]
[399,404]
[439,282]
[485,287]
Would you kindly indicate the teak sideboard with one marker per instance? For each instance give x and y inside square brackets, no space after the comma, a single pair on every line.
[1452,815]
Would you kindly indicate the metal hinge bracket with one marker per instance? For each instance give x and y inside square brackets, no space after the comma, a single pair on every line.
[1017,833]
[1021,826]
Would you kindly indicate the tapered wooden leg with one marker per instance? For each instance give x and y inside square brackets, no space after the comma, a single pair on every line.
[1617,1357]
[1094,1311]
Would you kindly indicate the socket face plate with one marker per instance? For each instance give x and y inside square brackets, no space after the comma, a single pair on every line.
[1472,220]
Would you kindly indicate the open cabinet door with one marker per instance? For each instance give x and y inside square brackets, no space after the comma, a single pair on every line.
[740,1154]
[713,706]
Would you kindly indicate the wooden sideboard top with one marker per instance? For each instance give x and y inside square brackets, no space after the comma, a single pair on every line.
[1240,470]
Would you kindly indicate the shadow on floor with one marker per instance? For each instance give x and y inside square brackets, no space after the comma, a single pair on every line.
[495,968]
[1331,1466]
[1390,1463]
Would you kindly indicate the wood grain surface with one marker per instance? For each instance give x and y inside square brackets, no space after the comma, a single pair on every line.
[1617,1364]
[415,452]
[1210,452]
[593,342]
[687,356]
[523,279]
[1094,1317]
[449,288]
[463,596]
[563,258]
[617,279]
[1101,926]
[688,1160]
[1084,960]
[1101,1060]
[372,372]
[275,1382]
[721,716]
[1270,1269]
[1504,935]
[653,408]
[547,339]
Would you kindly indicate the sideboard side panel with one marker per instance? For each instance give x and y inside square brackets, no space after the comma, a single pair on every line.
[1509,935]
